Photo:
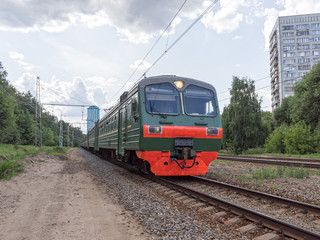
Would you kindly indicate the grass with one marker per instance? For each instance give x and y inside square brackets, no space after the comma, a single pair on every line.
[276,172]
[11,156]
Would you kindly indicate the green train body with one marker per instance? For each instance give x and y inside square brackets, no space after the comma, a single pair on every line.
[168,125]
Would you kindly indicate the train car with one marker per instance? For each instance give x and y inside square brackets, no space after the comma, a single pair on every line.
[166,125]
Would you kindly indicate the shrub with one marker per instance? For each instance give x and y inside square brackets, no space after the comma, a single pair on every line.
[274,143]
[298,139]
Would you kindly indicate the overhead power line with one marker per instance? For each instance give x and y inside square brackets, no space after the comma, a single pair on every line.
[179,38]
[156,42]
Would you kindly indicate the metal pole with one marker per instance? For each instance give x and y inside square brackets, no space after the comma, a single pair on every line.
[68,136]
[61,133]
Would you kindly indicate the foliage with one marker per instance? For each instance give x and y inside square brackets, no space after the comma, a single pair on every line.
[306,99]
[298,139]
[17,118]
[282,113]
[275,143]
[241,119]
[9,169]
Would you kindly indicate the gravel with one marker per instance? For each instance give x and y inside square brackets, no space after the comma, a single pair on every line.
[159,214]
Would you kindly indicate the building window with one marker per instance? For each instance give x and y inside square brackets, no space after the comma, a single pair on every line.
[288,89]
[289,68]
[315,32]
[304,67]
[288,27]
[304,60]
[289,61]
[315,39]
[288,40]
[301,74]
[315,53]
[288,47]
[302,26]
[302,54]
[303,47]
[303,40]
[315,25]
[289,74]
[288,34]
[302,33]
[289,54]
[315,46]
[315,60]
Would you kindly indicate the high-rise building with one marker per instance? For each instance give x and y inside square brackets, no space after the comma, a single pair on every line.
[294,47]
[93,115]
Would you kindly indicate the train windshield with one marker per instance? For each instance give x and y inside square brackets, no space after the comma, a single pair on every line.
[199,101]
[162,98]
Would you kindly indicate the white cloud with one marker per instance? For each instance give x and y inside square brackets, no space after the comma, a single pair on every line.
[19,58]
[140,65]
[238,65]
[287,8]
[237,37]
[135,20]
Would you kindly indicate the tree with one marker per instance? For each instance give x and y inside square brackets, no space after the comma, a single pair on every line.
[241,119]
[306,99]
[282,114]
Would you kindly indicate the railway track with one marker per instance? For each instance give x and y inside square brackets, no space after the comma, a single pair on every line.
[196,191]
[190,188]
[296,162]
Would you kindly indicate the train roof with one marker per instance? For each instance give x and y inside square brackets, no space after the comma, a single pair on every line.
[172,78]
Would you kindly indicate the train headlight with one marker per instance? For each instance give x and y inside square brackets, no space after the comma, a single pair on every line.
[152,129]
[212,131]
[179,84]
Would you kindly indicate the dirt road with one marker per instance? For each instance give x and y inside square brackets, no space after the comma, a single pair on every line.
[56,198]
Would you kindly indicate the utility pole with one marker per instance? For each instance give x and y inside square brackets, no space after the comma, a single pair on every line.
[61,133]
[37,128]
[72,138]
[68,136]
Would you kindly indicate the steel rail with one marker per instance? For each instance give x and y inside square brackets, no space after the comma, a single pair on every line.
[259,218]
[274,162]
[302,205]
[275,158]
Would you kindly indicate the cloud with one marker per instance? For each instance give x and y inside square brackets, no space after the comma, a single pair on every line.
[237,37]
[286,8]
[135,20]
[19,58]
[141,65]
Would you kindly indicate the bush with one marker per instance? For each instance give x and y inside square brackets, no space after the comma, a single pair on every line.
[275,143]
[298,139]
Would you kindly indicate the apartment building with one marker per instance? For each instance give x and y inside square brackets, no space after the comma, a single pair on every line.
[294,47]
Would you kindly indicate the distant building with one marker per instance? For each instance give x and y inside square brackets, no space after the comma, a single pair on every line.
[294,46]
[92,116]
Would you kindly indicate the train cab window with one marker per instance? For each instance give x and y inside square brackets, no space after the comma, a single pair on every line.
[199,101]
[162,98]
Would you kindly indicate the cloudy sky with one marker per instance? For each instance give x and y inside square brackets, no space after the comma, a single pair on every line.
[88,51]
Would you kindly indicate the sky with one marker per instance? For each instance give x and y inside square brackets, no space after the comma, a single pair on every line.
[88,51]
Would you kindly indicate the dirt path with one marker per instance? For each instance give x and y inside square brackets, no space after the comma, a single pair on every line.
[58,199]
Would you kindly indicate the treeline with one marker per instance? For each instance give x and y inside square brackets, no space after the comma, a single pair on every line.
[294,128]
[17,119]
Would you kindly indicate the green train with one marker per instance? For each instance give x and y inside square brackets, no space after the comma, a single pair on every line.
[166,125]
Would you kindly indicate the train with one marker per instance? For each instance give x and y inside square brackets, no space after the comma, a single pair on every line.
[164,125]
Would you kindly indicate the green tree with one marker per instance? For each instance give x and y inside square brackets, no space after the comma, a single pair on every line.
[282,114]
[25,124]
[306,99]
[242,117]
[275,142]
[298,139]
[48,137]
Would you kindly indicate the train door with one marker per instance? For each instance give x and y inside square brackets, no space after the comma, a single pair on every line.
[122,136]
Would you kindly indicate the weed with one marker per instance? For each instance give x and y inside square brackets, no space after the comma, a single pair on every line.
[9,169]
[276,172]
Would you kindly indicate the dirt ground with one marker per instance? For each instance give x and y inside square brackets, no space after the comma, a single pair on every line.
[56,198]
